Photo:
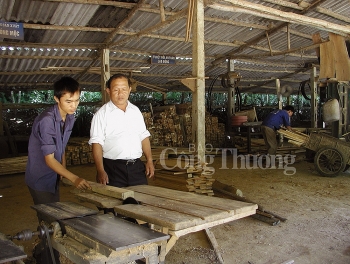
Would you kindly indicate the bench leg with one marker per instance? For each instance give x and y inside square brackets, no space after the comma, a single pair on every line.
[214,244]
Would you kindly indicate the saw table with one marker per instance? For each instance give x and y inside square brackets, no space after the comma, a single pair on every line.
[10,252]
[84,235]
[173,212]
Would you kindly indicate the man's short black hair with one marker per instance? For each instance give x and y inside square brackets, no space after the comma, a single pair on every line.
[117,76]
[289,108]
[65,85]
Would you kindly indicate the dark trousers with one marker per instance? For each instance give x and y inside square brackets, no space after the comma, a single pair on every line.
[123,173]
[44,197]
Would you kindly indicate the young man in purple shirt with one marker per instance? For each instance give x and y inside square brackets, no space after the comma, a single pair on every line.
[273,122]
[46,148]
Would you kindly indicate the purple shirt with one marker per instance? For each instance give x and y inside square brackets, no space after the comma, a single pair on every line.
[276,119]
[46,138]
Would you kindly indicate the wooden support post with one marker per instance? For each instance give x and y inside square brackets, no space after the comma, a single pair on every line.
[339,91]
[105,74]
[1,122]
[288,37]
[343,99]
[313,84]
[161,10]
[278,92]
[11,140]
[198,68]
[214,244]
[269,42]
[171,243]
[231,105]
[280,104]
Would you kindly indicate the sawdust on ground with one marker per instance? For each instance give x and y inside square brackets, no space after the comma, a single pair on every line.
[316,231]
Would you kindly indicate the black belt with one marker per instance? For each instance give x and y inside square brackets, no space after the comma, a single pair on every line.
[127,161]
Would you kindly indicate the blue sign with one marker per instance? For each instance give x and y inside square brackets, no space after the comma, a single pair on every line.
[11,30]
[163,59]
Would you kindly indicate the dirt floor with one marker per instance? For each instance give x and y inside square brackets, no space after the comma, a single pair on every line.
[317,209]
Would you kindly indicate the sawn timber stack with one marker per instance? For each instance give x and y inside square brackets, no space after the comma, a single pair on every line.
[197,179]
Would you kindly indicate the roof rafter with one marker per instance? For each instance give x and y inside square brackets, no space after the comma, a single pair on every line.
[259,37]
[333,14]
[111,35]
[274,14]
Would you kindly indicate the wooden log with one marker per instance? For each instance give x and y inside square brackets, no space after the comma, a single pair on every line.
[217,185]
[269,220]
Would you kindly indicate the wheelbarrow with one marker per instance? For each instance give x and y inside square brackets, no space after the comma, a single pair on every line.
[332,155]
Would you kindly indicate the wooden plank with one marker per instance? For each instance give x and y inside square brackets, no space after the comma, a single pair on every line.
[187,197]
[13,165]
[205,213]
[99,200]
[316,38]
[161,182]
[342,61]
[327,61]
[62,210]
[158,216]
[111,191]
[202,226]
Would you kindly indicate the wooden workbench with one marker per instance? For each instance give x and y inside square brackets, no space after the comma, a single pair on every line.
[178,213]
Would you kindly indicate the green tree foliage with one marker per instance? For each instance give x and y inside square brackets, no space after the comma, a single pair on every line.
[20,121]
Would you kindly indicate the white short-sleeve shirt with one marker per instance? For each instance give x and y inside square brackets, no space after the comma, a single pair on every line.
[119,133]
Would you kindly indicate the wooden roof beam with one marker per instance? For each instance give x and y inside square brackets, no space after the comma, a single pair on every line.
[92,46]
[258,38]
[333,14]
[98,46]
[96,70]
[274,14]
[248,60]
[111,35]
[170,20]
[122,32]
[96,2]
[272,53]
[285,4]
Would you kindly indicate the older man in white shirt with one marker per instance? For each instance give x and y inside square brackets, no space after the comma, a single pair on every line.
[119,136]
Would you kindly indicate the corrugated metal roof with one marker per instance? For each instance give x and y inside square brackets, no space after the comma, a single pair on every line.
[65,38]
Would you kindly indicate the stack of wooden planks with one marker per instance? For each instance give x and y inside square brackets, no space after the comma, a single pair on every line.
[294,137]
[13,165]
[78,151]
[164,126]
[171,126]
[197,178]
